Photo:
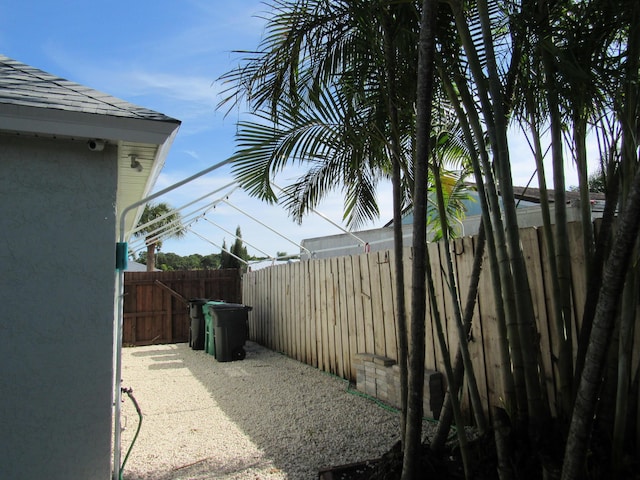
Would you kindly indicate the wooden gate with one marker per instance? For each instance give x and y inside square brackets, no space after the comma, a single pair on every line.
[156,303]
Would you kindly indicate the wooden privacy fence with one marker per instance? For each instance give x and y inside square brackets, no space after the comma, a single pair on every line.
[324,312]
[155,303]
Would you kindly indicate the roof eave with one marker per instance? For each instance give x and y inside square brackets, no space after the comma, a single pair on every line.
[20,118]
[157,165]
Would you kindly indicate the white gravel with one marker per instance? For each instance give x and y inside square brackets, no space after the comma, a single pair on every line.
[265,417]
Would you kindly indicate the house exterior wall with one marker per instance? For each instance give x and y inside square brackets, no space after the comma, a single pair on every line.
[57,288]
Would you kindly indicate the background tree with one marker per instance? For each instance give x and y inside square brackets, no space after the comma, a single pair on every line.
[233,257]
[211,261]
[171,261]
[158,221]
[239,250]
[225,257]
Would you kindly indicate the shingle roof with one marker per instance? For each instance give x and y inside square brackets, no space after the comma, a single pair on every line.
[23,85]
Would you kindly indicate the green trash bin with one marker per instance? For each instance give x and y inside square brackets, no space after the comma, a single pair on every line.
[209,341]
[230,330]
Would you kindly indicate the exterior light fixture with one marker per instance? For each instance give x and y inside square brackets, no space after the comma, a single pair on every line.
[135,164]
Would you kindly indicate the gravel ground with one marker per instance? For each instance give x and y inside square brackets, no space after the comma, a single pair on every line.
[265,417]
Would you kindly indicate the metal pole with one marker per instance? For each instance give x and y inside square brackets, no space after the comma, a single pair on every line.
[162,217]
[323,216]
[117,394]
[236,237]
[218,246]
[266,226]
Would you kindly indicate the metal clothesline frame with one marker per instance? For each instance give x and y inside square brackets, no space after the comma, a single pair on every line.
[163,232]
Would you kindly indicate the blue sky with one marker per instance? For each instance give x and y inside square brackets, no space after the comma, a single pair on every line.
[166,55]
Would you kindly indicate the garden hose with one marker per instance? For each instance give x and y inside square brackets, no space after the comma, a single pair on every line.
[129,392]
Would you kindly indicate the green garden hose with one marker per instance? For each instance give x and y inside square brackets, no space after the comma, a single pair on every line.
[129,392]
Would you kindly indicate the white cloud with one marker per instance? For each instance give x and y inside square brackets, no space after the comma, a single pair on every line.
[192,154]
[174,86]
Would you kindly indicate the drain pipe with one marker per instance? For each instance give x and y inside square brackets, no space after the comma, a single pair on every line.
[122,250]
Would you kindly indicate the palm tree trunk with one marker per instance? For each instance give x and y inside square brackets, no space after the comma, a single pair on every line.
[424,100]
[529,344]
[151,257]
[513,390]
[507,282]
[603,324]
[630,166]
[396,179]
[579,139]
[603,245]
[565,350]
[453,386]
[446,413]
[481,421]
[562,259]
[625,350]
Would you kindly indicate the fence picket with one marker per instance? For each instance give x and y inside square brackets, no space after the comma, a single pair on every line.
[332,309]
[377,312]
[386,263]
[153,315]
[352,332]
[537,261]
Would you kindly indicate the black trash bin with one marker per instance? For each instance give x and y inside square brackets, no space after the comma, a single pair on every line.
[230,328]
[196,330]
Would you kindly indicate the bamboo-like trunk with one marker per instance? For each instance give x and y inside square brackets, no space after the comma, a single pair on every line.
[603,245]
[625,350]
[502,282]
[463,345]
[580,146]
[603,324]
[425,81]
[562,259]
[556,302]
[446,413]
[529,344]
[453,386]
[396,179]
[504,252]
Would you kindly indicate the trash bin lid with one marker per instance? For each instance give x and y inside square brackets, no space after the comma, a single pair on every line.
[198,301]
[219,305]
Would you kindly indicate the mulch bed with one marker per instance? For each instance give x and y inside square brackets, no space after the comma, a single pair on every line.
[444,465]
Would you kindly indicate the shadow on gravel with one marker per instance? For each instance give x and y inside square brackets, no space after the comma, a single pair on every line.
[155,353]
[167,365]
[304,420]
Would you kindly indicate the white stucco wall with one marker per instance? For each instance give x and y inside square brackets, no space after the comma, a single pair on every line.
[57,237]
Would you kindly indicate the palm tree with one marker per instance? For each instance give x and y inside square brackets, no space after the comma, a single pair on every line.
[333,87]
[421,266]
[158,221]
